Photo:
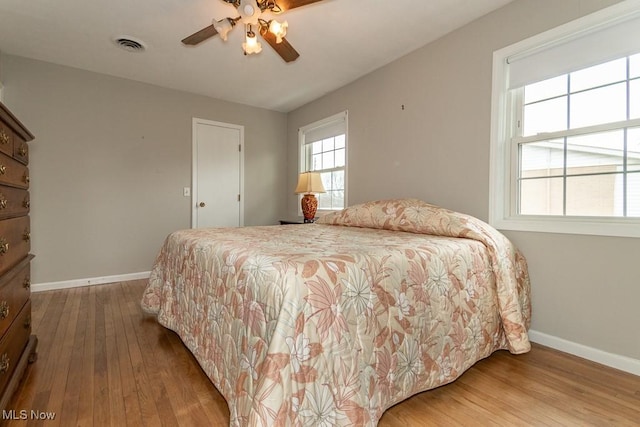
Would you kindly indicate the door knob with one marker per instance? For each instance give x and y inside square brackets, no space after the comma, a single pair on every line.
[202,205]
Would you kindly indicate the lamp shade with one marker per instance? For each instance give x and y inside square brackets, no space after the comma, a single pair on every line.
[251,45]
[223,27]
[309,182]
[278,29]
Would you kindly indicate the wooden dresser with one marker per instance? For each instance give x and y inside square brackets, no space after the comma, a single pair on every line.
[17,345]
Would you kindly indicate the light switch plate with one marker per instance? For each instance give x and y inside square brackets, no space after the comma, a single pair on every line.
[186,191]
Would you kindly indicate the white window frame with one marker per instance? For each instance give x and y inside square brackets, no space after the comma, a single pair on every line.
[502,189]
[302,161]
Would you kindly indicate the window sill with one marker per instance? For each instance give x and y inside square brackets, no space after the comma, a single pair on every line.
[613,227]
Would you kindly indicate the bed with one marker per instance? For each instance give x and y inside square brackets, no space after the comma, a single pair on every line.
[330,324]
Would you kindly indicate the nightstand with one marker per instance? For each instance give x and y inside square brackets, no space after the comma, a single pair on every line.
[295,221]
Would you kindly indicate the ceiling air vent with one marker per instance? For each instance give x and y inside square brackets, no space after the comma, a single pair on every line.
[129,44]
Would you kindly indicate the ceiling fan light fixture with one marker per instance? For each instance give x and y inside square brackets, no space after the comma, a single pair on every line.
[249,12]
[278,29]
[223,27]
[251,44]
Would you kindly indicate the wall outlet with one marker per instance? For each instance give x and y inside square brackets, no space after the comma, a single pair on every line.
[186,191]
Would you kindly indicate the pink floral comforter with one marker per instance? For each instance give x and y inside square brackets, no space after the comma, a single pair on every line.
[331,323]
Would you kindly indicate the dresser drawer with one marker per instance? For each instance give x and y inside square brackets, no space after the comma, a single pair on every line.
[20,150]
[13,202]
[15,241]
[13,173]
[15,289]
[12,344]
[6,139]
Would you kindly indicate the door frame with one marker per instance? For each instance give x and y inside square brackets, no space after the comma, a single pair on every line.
[194,165]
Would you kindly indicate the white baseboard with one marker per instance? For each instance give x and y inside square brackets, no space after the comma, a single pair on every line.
[616,361]
[76,283]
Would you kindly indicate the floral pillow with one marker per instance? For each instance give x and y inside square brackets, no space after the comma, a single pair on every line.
[396,214]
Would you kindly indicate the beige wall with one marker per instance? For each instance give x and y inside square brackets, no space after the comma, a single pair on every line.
[585,289]
[110,160]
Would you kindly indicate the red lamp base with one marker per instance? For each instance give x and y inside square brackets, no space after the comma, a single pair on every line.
[309,205]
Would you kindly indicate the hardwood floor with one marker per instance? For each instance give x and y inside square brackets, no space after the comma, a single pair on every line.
[103,362]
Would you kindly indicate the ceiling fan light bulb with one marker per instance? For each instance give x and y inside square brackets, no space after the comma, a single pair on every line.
[278,29]
[251,45]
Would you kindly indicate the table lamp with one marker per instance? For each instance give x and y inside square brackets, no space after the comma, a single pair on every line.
[309,183]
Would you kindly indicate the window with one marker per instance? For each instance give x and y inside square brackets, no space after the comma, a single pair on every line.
[323,149]
[566,128]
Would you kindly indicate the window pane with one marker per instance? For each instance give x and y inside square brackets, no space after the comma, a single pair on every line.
[633,194]
[337,200]
[316,147]
[337,180]
[340,140]
[633,149]
[595,153]
[328,144]
[609,72]
[331,200]
[324,200]
[541,196]
[540,159]
[546,89]
[634,101]
[316,162]
[546,116]
[634,66]
[595,195]
[327,160]
[326,181]
[597,106]
[340,158]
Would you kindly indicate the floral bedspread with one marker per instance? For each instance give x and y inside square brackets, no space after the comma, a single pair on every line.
[331,323]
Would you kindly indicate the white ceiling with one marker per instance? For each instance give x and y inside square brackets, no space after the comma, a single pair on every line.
[338,41]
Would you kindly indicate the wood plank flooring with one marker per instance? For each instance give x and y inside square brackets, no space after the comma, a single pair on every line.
[103,362]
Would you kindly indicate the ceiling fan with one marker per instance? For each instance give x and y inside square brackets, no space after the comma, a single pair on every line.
[250,14]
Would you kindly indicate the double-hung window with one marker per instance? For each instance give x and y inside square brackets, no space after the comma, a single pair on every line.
[566,128]
[323,149]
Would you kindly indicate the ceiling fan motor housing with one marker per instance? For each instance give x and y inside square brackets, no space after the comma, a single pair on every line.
[249,12]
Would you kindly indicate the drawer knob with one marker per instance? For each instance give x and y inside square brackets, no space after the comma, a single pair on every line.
[27,282]
[4,246]
[4,137]
[4,310]
[3,169]
[26,236]
[26,203]
[22,150]
[25,178]
[4,363]
[3,201]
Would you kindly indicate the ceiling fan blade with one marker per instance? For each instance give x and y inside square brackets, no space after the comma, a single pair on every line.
[284,48]
[200,36]
[292,4]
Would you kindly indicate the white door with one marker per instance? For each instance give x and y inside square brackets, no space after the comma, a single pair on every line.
[217,199]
